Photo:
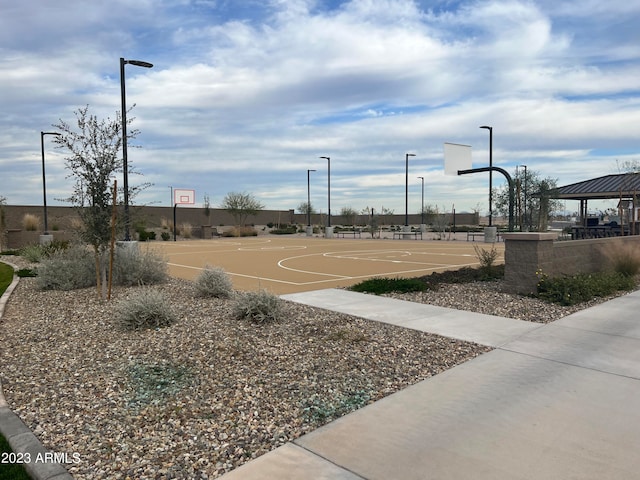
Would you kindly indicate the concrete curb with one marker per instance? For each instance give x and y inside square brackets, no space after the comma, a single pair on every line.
[20,437]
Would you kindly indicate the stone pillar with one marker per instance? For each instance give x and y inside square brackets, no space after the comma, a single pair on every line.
[525,254]
[490,234]
[46,239]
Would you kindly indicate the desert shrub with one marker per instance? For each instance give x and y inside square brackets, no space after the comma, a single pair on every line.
[145,308]
[318,409]
[35,253]
[214,282]
[30,222]
[185,230]
[165,236]
[571,290]
[379,286]
[487,259]
[231,232]
[32,253]
[67,269]
[152,383]
[144,235]
[247,232]
[133,267]
[259,306]
[625,259]
[165,224]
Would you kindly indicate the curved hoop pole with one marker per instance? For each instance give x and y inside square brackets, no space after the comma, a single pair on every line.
[511,186]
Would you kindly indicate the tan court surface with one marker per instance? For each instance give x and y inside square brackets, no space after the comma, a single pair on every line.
[294,264]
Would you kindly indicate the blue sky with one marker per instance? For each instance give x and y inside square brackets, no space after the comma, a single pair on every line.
[246,95]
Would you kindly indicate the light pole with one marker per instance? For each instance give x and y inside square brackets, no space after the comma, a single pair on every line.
[137,63]
[44,183]
[406,188]
[422,204]
[328,159]
[309,199]
[171,202]
[490,171]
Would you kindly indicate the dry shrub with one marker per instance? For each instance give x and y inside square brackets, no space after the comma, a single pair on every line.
[30,222]
[185,230]
[625,258]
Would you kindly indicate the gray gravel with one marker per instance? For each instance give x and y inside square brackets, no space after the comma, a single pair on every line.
[199,398]
[490,298]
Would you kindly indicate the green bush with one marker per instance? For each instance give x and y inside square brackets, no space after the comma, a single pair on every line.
[146,308]
[378,286]
[133,267]
[284,230]
[26,272]
[165,236]
[571,290]
[144,235]
[214,282]
[68,269]
[258,307]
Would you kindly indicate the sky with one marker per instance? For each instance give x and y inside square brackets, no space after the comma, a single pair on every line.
[246,95]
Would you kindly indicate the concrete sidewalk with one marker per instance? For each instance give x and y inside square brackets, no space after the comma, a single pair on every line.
[553,401]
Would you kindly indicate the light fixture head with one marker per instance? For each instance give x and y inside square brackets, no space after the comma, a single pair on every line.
[139,63]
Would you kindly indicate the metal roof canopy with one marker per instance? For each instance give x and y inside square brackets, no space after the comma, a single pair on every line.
[610,186]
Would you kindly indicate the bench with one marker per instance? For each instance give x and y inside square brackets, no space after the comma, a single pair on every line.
[342,233]
[406,234]
[473,235]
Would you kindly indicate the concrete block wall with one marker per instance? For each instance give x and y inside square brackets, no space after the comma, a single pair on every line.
[528,253]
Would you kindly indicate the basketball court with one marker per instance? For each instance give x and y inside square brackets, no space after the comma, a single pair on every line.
[295,264]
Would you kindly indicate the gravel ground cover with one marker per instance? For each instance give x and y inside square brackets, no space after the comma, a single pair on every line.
[201,397]
[490,298]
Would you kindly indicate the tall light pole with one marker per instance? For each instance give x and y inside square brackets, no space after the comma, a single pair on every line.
[309,199]
[422,204]
[125,167]
[406,188]
[44,183]
[490,171]
[328,159]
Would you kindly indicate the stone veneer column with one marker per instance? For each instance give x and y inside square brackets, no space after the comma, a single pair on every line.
[524,254]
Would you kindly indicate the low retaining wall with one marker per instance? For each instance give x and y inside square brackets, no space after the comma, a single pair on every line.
[19,238]
[528,253]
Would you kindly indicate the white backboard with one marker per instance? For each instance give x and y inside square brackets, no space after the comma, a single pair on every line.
[456,157]
[183,196]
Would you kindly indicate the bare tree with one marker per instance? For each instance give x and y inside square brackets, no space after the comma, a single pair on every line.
[306,208]
[350,214]
[241,206]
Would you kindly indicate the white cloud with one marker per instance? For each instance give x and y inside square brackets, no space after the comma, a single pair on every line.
[249,102]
